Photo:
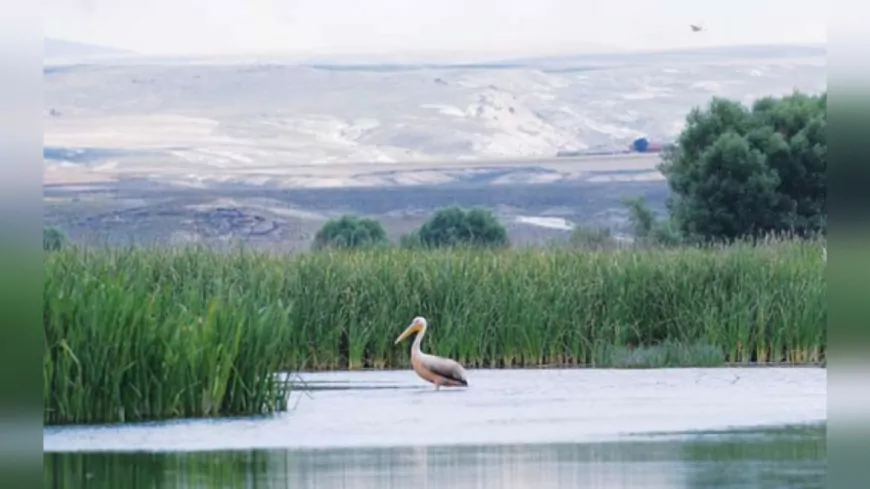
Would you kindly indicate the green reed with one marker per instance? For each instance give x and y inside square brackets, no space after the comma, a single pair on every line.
[137,335]
[145,334]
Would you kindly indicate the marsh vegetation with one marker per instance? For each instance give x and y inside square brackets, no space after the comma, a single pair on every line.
[143,333]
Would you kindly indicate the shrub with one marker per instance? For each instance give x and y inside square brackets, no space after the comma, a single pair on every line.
[349,232]
[453,226]
[52,239]
[647,229]
[596,238]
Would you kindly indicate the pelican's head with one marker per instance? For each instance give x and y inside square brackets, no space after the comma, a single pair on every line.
[418,324]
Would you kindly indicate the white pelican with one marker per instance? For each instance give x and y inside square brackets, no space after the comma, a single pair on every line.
[437,370]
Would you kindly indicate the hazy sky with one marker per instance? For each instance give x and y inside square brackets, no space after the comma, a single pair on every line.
[503,27]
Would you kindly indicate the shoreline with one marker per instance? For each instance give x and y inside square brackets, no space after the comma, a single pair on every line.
[727,365]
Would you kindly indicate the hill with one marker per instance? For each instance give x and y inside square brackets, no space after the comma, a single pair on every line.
[59,48]
[189,150]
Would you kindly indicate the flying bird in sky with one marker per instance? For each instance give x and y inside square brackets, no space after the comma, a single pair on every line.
[695,28]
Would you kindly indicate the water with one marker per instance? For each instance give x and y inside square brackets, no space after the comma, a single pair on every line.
[675,428]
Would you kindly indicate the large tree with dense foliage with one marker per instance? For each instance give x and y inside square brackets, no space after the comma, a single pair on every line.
[350,232]
[743,172]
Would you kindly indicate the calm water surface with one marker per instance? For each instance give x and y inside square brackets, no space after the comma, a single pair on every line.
[676,428]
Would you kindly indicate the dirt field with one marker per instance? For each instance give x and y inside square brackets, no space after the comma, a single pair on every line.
[538,203]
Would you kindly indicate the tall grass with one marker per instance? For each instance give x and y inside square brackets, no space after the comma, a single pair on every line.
[137,335]
[141,334]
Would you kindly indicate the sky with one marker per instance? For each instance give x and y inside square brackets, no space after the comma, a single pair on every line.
[460,27]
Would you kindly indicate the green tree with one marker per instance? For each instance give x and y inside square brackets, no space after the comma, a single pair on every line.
[52,239]
[348,232]
[647,228]
[453,226]
[641,216]
[739,172]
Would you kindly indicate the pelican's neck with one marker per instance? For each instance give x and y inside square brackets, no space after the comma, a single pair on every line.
[418,340]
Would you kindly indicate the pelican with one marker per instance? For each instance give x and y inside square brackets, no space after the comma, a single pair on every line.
[437,370]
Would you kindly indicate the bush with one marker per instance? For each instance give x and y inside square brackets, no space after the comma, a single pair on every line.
[453,226]
[739,172]
[647,229]
[350,232]
[411,241]
[52,239]
[598,238]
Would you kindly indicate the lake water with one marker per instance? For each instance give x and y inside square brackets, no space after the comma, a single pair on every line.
[675,428]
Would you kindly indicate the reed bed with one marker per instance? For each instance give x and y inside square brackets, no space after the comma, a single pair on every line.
[148,334]
[135,335]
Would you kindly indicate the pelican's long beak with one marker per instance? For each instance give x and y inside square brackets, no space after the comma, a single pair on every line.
[414,327]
